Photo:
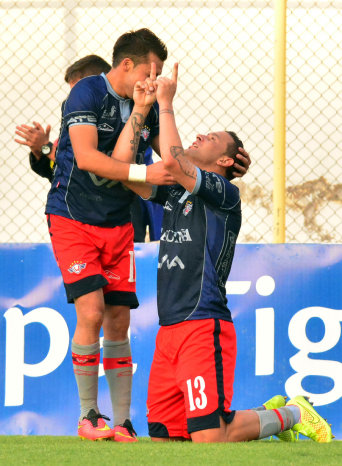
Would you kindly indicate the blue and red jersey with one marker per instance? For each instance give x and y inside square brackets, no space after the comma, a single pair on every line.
[197,246]
[81,195]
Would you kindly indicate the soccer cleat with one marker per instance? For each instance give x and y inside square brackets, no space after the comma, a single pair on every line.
[278,401]
[125,432]
[93,427]
[311,424]
[288,436]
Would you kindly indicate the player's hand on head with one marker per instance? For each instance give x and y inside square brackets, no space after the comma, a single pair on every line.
[166,87]
[241,167]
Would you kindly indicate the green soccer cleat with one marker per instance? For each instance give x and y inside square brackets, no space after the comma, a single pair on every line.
[279,401]
[311,424]
[288,436]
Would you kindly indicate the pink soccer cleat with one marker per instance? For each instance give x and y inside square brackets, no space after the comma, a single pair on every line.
[125,432]
[93,427]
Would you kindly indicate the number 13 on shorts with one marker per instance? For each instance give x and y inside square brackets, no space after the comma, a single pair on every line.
[197,387]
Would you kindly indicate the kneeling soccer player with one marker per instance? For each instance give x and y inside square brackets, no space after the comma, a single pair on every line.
[191,380]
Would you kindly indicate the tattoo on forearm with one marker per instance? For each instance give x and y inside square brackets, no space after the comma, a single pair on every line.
[166,110]
[187,167]
[137,121]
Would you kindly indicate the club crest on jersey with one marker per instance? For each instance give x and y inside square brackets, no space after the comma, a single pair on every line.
[145,132]
[187,208]
[77,267]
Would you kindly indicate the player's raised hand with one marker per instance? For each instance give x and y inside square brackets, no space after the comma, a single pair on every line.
[144,93]
[166,87]
[151,80]
[33,136]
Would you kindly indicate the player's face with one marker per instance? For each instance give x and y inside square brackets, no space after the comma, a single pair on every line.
[142,71]
[210,147]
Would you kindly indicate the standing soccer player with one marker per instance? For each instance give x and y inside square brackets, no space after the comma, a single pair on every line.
[192,373]
[88,212]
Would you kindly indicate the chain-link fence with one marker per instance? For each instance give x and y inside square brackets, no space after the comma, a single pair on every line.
[226,54]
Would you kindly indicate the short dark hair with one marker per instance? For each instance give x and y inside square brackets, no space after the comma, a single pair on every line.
[232,151]
[136,45]
[86,66]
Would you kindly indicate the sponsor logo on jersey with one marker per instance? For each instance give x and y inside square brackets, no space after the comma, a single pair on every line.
[79,119]
[145,132]
[175,262]
[213,182]
[168,206]
[102,182]
[105,127]
[77,267]
[188,207]
[208,182]
[171,236]
[218,183]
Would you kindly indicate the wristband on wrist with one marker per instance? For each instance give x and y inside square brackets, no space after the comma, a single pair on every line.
[166,110]
[137,173]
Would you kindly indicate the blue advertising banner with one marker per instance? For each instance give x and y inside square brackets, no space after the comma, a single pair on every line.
[286,302]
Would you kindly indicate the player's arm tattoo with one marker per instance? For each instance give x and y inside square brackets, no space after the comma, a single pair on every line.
[187,167]
[137,121]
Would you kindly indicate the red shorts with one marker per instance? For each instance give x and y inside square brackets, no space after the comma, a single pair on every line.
[92,257]
[191,378]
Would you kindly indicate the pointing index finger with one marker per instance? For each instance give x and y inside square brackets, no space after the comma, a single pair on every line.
[153,73]
[175,72]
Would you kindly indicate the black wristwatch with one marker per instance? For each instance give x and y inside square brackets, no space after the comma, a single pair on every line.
[46,149]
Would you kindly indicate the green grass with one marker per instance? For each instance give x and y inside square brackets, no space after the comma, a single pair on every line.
[41,450]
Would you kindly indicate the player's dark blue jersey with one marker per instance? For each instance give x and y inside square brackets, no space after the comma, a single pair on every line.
[78,194]
[196,248]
